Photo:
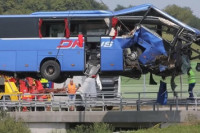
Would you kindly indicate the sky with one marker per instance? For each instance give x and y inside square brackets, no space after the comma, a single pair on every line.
[193,4]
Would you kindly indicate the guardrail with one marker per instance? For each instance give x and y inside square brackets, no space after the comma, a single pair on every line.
[126,101]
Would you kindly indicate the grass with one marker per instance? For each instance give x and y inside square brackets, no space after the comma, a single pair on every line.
[10,125]
[134,85]
[93,128]
[181,128]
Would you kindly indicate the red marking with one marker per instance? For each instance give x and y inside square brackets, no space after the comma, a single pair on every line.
[114,21]
[70,44]
[80,39]
[114,24]
[40,26]
[67,32]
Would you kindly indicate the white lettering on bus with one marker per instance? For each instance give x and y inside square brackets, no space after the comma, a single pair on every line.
[107,44]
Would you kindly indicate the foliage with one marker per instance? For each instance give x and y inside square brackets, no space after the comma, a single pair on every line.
[184,14]
[120,7]
[182,128]
[29,6]
[94,128]
[9,125]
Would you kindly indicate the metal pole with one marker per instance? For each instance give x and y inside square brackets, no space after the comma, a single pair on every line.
[121,102]
[144,86]
[176,103]
[181,85]
[138,102]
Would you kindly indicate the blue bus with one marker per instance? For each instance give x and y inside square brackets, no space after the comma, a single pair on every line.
[60,44]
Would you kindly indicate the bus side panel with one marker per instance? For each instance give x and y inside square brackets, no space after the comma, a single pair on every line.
[73,60]
[111,55]
[26,61]
[7,60]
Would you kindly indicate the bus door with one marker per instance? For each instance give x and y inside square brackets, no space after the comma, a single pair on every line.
[111,54]
[73,53]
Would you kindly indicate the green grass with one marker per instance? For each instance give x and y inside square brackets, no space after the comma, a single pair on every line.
[178,128]
[134,85]
[93,128]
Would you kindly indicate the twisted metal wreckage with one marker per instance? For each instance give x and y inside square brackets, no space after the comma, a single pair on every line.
[158,43]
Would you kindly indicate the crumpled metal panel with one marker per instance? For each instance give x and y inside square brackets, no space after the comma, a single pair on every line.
[152,43]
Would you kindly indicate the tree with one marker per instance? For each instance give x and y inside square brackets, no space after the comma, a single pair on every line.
[120,7]
[29,6]
[183,14]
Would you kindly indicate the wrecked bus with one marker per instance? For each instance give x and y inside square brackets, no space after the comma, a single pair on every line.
[129,42]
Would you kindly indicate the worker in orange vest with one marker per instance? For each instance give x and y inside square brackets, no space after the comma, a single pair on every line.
[71,90]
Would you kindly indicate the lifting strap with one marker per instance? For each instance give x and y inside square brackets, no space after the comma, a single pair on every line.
[67,32]
[40,25]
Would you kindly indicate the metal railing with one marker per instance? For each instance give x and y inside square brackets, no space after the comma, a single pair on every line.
[126,101]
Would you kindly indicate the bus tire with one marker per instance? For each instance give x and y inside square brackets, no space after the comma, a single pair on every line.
[50,70]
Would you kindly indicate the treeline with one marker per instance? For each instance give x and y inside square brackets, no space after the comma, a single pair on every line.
[29,6]
[184,14]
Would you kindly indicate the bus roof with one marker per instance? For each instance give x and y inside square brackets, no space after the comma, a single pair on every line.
[73,13]
[136,10]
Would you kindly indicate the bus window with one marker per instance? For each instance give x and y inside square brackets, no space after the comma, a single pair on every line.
[18,27]
[53,28]
[88,27]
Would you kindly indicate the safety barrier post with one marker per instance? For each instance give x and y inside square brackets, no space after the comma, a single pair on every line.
[196,104]
[121,106]
[170,107]
[20,100]
[154,106]
[90,99]
[138,102]
[157,106]
[4,105]
[68,104]
[85,100]
[75,103]
[35,103]
[176,103]
[103,102]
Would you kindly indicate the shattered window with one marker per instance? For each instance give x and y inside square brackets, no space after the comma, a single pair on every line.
[165,32]
[53,28]
[168,33]
[88,27]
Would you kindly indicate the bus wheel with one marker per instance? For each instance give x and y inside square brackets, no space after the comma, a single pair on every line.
[50,70]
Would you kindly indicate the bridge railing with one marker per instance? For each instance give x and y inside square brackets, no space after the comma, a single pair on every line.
[126,101]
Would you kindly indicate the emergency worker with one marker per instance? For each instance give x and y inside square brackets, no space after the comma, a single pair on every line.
[71,90]
[191,82]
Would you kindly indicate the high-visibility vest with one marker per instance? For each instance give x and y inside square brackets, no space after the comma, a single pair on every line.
[191,77]
[71,89]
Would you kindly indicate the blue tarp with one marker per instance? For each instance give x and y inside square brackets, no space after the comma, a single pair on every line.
[162,94]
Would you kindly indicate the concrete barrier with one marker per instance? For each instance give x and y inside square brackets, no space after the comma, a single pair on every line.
[39,122]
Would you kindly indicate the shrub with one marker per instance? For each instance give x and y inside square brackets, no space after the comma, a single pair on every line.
[10,125]
[93,128]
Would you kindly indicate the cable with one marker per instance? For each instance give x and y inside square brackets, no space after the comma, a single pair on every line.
[104,4]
